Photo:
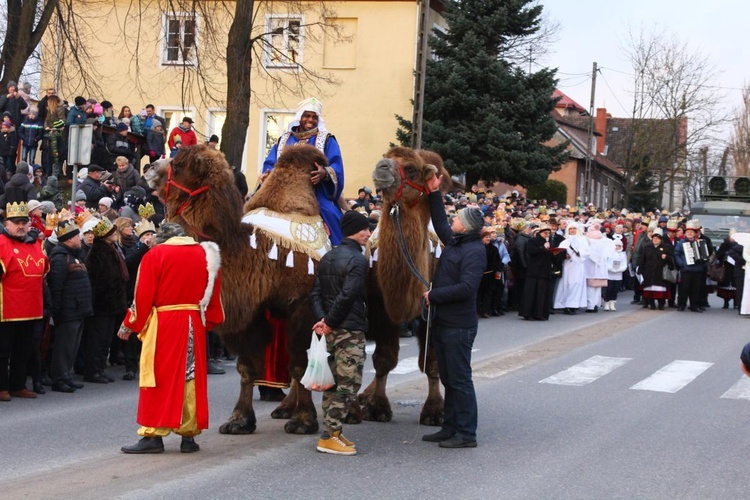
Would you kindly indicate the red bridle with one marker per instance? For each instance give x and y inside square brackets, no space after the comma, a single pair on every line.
[406,182]
[190,194]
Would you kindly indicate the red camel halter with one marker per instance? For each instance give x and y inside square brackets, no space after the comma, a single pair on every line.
[190,194]
[406,182]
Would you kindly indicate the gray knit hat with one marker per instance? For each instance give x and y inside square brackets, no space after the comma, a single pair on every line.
[168,230]
[472,219]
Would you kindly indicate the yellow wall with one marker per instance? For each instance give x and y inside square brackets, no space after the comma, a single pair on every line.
[358,109]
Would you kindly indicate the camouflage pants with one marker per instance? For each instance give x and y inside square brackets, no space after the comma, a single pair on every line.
[348,350]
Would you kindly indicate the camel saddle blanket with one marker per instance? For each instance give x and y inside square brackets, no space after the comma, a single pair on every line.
[300,233]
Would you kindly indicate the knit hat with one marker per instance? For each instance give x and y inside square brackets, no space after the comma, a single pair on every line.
[472,219]
[353,222]
[121,126]
[33,205]
[80,195]
[22,168]
[47,206]
[745,356]
[106,201]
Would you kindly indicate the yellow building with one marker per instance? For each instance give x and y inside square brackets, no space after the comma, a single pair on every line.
[365,51]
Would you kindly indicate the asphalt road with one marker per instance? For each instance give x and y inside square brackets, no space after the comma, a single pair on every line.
[632,404]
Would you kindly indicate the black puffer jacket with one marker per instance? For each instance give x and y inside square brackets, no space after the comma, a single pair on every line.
[459,271]
[109,276]
[340,292]
[19,189]
[69,285]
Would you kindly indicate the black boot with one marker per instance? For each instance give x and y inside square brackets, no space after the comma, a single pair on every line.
[726,304]
[188,445]
[146,445]
[38,388]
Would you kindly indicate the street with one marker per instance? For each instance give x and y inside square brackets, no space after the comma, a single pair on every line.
[627,404]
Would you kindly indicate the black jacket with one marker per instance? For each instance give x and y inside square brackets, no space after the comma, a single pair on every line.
[8,144]
[539,259]
[69,285]
[117,145]
[458,274]
[19,189]
[340,291]
[109,276]
[94,192]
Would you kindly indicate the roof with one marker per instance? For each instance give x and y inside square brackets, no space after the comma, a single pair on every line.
[578,136]
[566,102]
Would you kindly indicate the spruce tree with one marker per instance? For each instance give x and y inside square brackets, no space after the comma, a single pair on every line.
[484,114]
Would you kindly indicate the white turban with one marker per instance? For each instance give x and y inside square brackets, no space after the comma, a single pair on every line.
[312,104]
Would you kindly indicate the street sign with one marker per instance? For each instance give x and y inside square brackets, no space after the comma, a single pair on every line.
[79,144]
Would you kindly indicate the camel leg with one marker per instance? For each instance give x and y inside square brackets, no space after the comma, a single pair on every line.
[242,420]
[286,406]
[304,418]
[432,410]
[373,400]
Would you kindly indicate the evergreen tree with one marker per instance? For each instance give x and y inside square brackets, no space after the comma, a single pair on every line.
[482,113]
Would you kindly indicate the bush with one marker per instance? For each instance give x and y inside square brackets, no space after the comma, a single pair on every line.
[551,190]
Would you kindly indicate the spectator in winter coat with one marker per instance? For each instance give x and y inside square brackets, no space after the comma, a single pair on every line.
[125,178]
[8,144]
[51,192]
[77,115]
[152,117]
[54,111]
[13,103]
[43,103]
[118,144]
[19,188]
[186,136]
[155,142]
[30,132]
[93,188]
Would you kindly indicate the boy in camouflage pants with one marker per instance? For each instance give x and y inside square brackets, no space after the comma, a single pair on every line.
[339,299]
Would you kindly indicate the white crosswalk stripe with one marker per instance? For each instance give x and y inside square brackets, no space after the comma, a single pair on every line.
[587,371]
[673,377]
[740,390]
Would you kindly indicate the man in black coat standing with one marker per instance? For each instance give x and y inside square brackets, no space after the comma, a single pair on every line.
[453,296]
[339,299]
[536,292]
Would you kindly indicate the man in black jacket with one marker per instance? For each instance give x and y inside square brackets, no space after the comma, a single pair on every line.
[453,297]
[70,288]
[339,299]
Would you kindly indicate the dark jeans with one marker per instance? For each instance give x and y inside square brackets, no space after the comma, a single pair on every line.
[99,333]
[613,286]
[16,343]
[453,350]
[67,338]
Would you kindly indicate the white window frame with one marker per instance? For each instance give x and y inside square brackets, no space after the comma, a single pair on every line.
[181,16]
[267,62]
[264,131]
[436,31]
[211,121]
[191,111]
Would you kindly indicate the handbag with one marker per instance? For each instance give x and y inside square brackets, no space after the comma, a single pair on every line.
[669,275]
[716,269]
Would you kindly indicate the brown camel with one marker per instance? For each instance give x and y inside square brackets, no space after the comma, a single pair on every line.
[200,194]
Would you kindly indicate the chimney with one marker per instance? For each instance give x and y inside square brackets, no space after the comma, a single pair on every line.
[600,126]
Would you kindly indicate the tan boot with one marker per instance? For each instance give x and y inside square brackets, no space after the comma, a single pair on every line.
[334,444]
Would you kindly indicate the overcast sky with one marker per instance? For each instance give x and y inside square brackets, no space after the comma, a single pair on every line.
[596,31]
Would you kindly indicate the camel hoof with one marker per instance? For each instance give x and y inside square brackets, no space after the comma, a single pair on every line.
[282,413]
[377,409]
[432,413]
[354,414]
[242,425]
[300,425]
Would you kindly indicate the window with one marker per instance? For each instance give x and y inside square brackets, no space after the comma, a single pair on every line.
[274,123]
[173,116]
[284,42]
[215,119]
[180,37]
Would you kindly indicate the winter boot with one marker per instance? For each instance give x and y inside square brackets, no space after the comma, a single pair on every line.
[612,305]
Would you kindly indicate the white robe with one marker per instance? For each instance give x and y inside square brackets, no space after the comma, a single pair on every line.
[571,288]
[744,240]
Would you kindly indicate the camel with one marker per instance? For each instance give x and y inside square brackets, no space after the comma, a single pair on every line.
[260,273]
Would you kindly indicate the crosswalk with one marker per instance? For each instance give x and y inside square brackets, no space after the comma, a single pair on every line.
[406,364]
[670,379]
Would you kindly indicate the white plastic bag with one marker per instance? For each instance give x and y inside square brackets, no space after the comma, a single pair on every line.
[318,376]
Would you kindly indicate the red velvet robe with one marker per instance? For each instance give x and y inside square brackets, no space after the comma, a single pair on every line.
[174,273]
[21,281]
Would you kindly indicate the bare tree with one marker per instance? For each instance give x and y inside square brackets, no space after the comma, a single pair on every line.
[740,145]
[676,108]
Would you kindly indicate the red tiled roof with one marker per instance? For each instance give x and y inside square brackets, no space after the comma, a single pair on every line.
[566,102]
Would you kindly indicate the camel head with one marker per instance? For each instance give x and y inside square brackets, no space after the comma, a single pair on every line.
[198,188]
[401,176]
[288,188]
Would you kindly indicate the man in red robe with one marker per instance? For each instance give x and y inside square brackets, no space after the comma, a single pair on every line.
[176,298]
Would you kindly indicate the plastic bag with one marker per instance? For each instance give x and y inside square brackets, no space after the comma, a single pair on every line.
[318,376]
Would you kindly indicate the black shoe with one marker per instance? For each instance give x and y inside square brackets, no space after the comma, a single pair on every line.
[145,445]
[552,312]
[129,376]
[117,360]
[72,384]
[569,311]
[38,388]
[661,307]
[230,357]
[703,309]
[62,387]
[96,379]
[437,437]
[188,445]
[696,309]
[458,442]
[672,305]
[109,377]
[592,310]
[214,368]
[681,308]
[725,306]
[635,301]
[46,380]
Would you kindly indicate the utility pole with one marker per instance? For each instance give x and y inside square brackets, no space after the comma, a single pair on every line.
[419,74]
[590,139]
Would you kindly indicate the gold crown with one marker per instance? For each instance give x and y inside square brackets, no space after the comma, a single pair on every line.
[83,217]
[52,221]
[146,211]
[144,226]
[517,223]
[16,210]
[673,223]
[103,228]
[65,227]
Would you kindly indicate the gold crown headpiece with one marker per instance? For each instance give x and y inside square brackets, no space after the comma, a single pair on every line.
[517,224]
[13,210]
[103,228]
[144,226]
[147,211]
[83,217]
[672,223]
[65,228]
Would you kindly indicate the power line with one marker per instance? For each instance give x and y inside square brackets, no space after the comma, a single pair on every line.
[613,92]
[699,85]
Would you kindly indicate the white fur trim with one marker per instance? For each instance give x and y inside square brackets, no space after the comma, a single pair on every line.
[213,264]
